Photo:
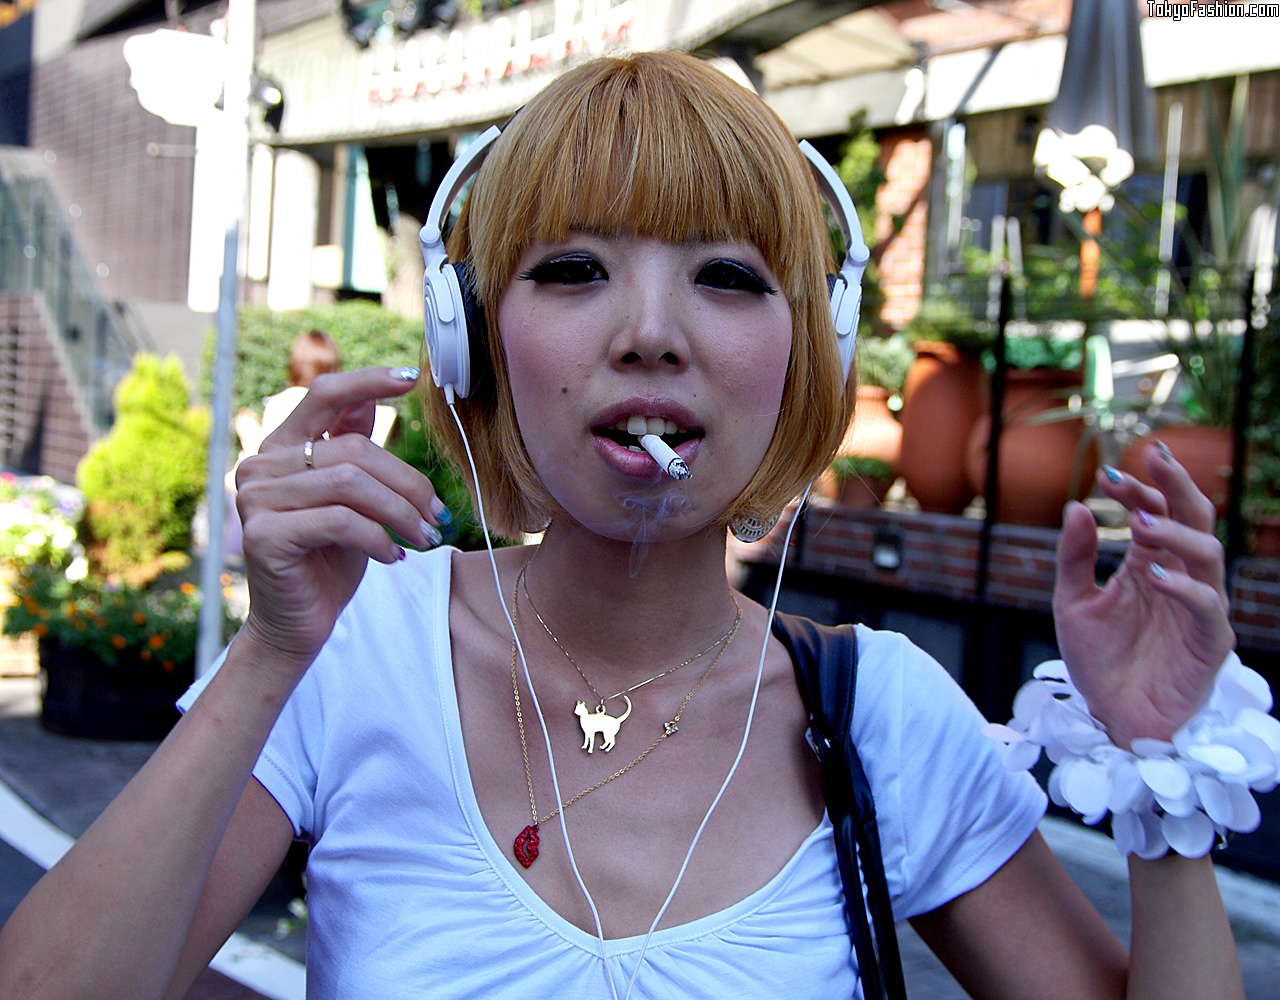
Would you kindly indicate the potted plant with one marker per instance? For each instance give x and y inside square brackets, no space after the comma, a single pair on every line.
[943,396]
[115,617]
[1209,303]
[114,658]
[1042,463]
[861,481]
[1263,515]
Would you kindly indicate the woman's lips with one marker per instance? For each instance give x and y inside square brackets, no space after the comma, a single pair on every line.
[637,464]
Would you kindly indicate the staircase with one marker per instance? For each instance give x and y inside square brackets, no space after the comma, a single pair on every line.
[62,346]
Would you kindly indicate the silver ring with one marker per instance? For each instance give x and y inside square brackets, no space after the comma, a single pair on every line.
[308,453]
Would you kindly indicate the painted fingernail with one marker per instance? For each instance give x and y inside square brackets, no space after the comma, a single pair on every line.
[401,554]
[430,533]
[1146,519]
[1165,453]
[1112,474]
[1159,572]
[440,512]
[409,373]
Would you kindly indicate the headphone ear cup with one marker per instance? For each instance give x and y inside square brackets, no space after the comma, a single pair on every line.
[476,330]
[444,326]
[844,291]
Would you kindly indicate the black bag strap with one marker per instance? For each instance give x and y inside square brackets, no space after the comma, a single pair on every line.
[826,664]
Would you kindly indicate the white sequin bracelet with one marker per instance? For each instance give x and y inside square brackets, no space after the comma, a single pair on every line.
[1182,795]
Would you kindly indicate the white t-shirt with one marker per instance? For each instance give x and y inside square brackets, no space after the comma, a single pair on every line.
[410,896]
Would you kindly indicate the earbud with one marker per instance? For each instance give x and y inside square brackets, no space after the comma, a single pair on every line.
[453,317]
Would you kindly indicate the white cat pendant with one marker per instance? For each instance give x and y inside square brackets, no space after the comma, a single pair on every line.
[600,723]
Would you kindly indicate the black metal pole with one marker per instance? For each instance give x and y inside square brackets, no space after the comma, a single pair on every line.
[1255,318]
[992,491]
[982,661]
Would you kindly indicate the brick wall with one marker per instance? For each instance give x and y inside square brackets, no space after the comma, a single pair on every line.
[1255,603]
[939,556]
[905,156]
[44,424]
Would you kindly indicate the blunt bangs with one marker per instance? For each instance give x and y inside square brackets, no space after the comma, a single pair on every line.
[658,145]
[679,154]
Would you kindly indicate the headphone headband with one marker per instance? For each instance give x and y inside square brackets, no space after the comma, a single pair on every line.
[453,319]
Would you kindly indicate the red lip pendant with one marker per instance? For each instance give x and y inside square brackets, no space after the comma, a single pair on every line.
[525,847]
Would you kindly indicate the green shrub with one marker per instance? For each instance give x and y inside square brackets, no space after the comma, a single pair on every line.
[143,481]
[848,467]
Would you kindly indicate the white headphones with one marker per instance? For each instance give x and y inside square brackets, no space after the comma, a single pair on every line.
[454,325]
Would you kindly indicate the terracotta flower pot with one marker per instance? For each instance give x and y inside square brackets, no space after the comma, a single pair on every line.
[1205,452]
[864,492]
[874,431]
[1266,536]
[944,395]
[1036,460]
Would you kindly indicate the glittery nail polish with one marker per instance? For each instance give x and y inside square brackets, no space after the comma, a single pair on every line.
[1159,572]
[440,512]
[1112,473]
[409,373]
[1146,519]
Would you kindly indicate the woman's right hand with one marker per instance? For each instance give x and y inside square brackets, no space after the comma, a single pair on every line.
[310,531]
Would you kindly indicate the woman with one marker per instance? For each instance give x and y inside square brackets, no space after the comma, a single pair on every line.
[648,243]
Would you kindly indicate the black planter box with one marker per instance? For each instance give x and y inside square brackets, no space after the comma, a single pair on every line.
[128,700]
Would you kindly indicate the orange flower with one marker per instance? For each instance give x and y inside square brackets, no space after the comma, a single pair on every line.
[100,622]
[119,641]
[228,593]
[41,630]
[155,641]
[139,618]
[30,604]
[145,655]
[225,579]
[69,609]
[168,666]
[188,588]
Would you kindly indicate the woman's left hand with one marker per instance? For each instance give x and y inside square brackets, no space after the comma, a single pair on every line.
[1144,650]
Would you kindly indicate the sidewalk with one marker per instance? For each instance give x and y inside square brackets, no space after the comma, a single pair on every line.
[52,787]
[68,782]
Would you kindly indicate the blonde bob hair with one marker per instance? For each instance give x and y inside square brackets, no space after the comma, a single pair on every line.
[658,145]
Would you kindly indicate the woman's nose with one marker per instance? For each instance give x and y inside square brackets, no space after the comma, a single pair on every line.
[650,332]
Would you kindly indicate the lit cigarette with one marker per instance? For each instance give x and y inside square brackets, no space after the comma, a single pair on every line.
[662,453]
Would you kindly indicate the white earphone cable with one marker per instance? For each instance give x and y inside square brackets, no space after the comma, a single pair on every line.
[555,783]
[742,747]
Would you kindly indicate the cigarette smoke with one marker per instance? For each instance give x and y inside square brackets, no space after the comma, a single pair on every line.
[648,512]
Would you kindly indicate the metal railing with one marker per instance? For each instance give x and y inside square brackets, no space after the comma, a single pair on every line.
[39,254]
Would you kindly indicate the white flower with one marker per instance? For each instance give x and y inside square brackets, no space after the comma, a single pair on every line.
[78,569]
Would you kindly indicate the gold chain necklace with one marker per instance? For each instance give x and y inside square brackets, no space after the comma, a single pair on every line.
[600,722]
[525,846]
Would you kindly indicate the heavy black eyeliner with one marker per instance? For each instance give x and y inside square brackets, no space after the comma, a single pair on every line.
[540,271]
[743,271]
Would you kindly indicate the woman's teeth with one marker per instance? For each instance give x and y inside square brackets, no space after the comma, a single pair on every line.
[637,425]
